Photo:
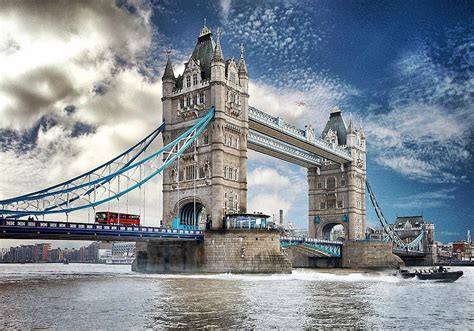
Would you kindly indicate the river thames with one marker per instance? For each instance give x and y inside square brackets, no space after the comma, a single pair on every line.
[86,296]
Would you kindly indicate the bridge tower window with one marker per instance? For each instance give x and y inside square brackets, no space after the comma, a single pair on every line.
[181,103]
[320,185]
[322,205]
[331,182]
[195,79]
[188,81]
[201,97]
[188,100]
[195,98]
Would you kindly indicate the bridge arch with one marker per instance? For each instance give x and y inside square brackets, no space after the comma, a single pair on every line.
[185,209]
[333,230]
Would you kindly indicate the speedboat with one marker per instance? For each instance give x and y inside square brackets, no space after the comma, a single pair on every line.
[440,274]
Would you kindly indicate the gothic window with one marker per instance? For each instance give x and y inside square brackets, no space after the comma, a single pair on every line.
[188,100]
[195,79]
[320,185]
[196,99]
[232,77]
[181,175]
[358,204]
[190,172]
[231,202]
[236,172]
[331,183]
[225,172]
[343,182]
[232,97]
[181,103]
[322,205]
[206,138]
[202,172]
[201,97]
[331,203]
[188,81]
[340,204]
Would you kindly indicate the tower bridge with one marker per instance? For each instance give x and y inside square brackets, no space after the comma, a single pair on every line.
[208,126]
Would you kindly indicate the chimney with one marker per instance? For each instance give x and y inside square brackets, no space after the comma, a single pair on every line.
[281,217]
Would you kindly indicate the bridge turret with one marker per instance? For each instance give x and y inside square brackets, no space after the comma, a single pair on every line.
[218,77]
[168,79]
[243,73]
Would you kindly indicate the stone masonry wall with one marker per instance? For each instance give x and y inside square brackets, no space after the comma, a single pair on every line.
[239,251]
[367,254]
[244,251]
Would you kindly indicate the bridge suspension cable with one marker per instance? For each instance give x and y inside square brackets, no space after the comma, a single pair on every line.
[394,237]
[90,190]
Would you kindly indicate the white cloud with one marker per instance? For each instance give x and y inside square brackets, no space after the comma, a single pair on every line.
[426,134]
[267,177]
[269,203]
[425,200]
[225,8]
[86,69]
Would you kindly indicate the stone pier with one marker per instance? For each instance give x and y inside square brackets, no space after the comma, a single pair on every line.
[234,251]
[369,255]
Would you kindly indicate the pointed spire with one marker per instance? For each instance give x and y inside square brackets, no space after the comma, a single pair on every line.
[218,56]
[350,128]
[205,30]
[169,67]
[242,65]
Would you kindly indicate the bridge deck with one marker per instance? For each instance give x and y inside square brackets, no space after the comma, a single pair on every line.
[22,229]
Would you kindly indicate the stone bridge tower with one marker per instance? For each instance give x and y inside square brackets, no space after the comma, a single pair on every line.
[337,192]
[205,185]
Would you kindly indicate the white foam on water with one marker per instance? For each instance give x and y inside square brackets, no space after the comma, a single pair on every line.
[296,275]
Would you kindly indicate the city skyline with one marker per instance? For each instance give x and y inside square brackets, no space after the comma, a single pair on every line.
[402,73]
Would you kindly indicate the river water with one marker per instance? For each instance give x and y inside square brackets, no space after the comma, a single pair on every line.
[84,296]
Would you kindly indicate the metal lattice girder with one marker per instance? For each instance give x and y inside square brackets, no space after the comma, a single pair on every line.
[331,248]
[87,192]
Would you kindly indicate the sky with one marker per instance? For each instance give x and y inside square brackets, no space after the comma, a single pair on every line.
[81,81]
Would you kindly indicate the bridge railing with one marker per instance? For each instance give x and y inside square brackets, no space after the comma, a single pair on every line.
[279,124]
[310,240]
[94,226]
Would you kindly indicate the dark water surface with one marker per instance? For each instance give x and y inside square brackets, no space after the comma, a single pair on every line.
[82,296]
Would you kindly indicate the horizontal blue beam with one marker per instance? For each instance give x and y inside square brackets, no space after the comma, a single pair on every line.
[24,229]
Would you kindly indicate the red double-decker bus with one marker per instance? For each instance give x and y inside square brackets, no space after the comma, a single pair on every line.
[108,217]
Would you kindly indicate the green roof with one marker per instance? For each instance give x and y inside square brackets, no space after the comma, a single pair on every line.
[203,52]
[336,123]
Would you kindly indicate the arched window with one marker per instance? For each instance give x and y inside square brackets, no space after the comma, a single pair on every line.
[188,81]
[195,79]
[331,182]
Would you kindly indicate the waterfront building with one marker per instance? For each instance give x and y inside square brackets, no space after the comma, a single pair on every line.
[123,252]
[462,250]
[104,252]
